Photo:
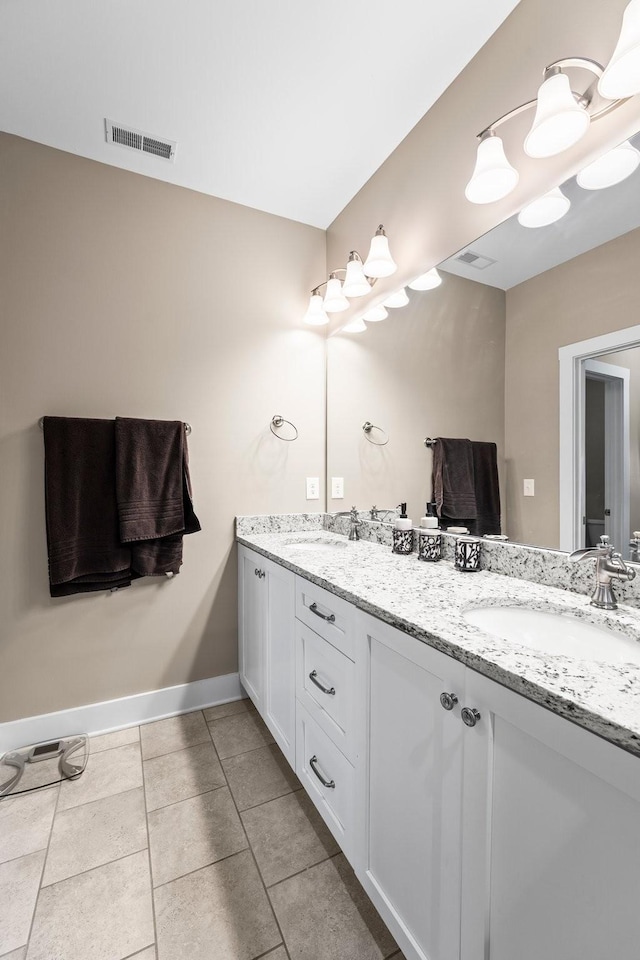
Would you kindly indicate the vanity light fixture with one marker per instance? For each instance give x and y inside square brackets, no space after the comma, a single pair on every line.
[426,281]
[560,119]
[315,315]
[621,79]
[355,326]
[545,210]
[334,299]
[355,282]
[397,299]
[493,176]
[375,314]
[379,263]
[611,168]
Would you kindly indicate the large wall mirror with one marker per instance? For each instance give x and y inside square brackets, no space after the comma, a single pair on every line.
[480,357]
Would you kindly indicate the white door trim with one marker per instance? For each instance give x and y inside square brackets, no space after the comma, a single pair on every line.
[572,423]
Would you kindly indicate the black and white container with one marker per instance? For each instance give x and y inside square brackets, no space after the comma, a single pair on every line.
[467,555]
[429,544]
[402,533]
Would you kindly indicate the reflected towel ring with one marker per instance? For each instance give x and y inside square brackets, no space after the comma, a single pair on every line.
[277,422]
[367,426]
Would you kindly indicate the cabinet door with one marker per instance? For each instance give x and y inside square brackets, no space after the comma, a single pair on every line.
[279,656]
[551,836]
[410,791]
[250,624]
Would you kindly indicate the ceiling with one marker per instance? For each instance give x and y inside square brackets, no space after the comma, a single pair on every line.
[288,106]
[595,217]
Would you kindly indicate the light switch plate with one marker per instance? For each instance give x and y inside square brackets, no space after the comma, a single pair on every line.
[313,488]
[529,488]
[337,488]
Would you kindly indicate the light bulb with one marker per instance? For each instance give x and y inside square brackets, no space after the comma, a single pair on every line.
[334,299]
[559,121]
[376,314]
[315,315]
[622,76]
[379,263]
[355,326]
[545,210]
[611,168]
[397,299]
[355,283]
[493,176]
[426,281]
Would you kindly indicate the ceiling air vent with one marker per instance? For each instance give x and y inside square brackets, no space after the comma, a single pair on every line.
[140,141]
[475,260]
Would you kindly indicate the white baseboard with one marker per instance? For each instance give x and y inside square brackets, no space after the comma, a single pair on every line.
[111,715]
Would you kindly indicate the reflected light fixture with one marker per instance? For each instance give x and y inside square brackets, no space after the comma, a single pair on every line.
[379,263]
[611,168]
[493,176]
[426,281]
[355,326]
[315,315]
[334,299]
[621,79]
[397,299]
[375,314]
[560,120]
[547,209]
[355,283]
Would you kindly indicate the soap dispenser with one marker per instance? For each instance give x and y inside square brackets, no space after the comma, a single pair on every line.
[402,532]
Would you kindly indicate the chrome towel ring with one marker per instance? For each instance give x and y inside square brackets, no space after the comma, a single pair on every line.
[277,422]
[367,427]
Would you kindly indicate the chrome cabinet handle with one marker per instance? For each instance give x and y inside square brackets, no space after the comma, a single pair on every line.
[330,618]
[470,716]
[448,700]
[256,572]
[259,573]
[330,691]
[329,784]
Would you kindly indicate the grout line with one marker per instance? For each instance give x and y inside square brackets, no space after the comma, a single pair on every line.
[168,753]
[146,824]
[270,743]
[98,866]
[255,806]
[44,864]
[204,866]
[21,857]
[184,799]
[276,883]
[132,956]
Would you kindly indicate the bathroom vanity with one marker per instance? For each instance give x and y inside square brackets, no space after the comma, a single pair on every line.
[481,821]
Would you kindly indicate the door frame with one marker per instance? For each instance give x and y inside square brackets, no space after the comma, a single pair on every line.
[572,430]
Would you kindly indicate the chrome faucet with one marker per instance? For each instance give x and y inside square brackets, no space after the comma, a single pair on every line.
[353,516]
[609,567]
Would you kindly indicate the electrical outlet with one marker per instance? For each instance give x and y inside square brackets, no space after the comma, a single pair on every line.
[313,488]
[529,488]
[337,488]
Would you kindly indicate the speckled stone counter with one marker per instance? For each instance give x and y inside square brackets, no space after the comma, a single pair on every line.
[428,600]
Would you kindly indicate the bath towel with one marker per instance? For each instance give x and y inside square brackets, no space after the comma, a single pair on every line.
[453,480]
[487,488]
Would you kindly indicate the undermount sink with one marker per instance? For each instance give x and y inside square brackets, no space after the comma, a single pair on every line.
[557,633]
[317,543]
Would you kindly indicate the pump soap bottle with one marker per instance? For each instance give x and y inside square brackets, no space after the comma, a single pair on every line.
[402,532]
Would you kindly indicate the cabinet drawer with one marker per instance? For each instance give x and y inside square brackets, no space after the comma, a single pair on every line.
[328,615]
[318,760]
[325,686]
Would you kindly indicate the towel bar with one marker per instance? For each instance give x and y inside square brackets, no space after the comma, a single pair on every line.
[187,426]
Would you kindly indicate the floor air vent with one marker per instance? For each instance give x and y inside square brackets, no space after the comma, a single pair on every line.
[140,141]
[475,260]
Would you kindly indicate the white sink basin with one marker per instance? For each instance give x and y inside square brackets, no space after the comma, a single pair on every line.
[558,633]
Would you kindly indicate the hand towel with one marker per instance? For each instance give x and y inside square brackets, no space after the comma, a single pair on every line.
[453,479]
[487,488]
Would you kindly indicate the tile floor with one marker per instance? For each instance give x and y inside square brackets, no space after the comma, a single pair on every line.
[185,839]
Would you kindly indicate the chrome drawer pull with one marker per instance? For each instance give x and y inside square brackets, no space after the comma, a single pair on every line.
[448,700]
[470,716]
[330,784]
[330,618]
[330,691]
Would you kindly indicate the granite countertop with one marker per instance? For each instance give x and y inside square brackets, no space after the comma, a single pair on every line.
[427,601]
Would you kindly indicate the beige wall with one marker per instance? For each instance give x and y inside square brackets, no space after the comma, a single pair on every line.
[125,295]
[593,294]
[434,368]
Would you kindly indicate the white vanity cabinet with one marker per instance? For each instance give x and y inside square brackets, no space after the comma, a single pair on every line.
[266,643]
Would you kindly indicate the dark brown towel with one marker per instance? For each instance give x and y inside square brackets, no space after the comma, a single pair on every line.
[487,487]
[85,552]
[153,493]
[453,479]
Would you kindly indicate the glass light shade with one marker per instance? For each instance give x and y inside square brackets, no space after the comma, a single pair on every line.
[559,121]
[397,299]
[611,168]
[315,315]
[493,176]
[426,281]
[622,76]
[545,210]
[355,326]
[355,283]
[376,314]
[334,299]
[379,263]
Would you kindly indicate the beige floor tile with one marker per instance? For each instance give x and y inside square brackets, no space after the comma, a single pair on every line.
[180,775]
[105,914]
[325,915]
[287,835]
[230,709]
[188,835]
[218,913]
[25,823]
[15,954]
[19,882]
[108,773]
[235,735]
[259,776]
[119,738]
[95,833]
[148,954]
[174,733]
[278,954]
